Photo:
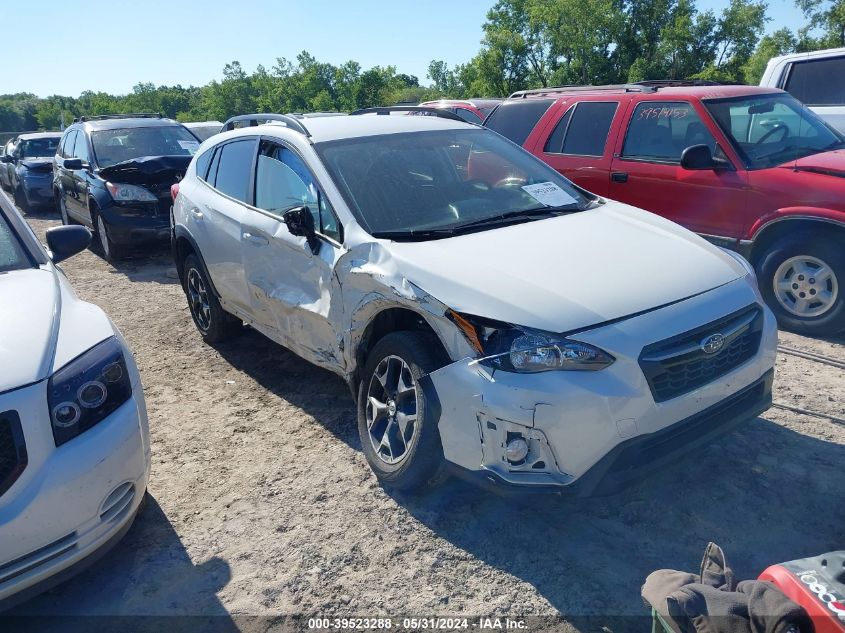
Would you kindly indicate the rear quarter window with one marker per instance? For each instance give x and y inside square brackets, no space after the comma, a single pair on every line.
[515,119]
[812,82]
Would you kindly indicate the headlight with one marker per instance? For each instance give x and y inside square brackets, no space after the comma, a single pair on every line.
[522,350]
[130,193]
[743,262]
[88,389]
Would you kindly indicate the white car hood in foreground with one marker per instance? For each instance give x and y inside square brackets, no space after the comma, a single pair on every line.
[568,272]
[43,325]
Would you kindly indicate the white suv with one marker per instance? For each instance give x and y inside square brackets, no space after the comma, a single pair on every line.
[487,314]
[811,78]
[74,439]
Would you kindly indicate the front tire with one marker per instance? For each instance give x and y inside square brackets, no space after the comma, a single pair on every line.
[111,252]
[20,199]
[213,322]
[396,424]
[802,278]
[61,207]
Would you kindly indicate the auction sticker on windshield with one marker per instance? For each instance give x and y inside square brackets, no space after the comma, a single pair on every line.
[549,194]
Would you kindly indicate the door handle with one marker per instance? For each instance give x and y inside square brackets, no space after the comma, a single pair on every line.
[619,176]
[196,213]
[258,240]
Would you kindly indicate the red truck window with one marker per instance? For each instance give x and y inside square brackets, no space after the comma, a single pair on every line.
[660,131]
[586,135]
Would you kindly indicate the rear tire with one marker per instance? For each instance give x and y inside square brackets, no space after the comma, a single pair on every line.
[213,322]
[802,278]
[390,400]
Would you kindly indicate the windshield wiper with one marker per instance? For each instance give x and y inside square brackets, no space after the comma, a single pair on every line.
[511,217]
[517,216]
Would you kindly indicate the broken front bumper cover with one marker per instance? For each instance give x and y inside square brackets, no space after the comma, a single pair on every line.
[634,459]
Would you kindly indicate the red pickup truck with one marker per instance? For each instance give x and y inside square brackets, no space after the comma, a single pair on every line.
[748,168]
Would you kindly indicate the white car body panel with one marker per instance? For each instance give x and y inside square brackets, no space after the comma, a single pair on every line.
[777,72]
[77,499]
[568,272]
[621,278]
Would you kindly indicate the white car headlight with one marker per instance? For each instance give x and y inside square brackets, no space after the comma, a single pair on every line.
[522,350]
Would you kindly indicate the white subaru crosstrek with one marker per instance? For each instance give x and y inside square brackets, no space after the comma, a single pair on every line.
[74,440]
[487,314]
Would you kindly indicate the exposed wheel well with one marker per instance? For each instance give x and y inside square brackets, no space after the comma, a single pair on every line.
[182,250]
[778,230]
[387,321]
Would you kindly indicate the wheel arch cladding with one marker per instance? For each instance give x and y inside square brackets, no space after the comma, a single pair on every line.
[379,300]
[776,230]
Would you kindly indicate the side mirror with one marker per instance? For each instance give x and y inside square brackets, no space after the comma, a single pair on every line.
[6,158]
[698,157]
[73,163]
[66,241]
[300,222]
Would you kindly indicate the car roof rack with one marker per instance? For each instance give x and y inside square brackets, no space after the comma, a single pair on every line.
[651,85]
[290,120]
[387,110]
[134,115]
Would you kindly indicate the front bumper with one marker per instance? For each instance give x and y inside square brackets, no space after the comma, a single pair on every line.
[71,502]
[137,223]
[594,432]
[38,190]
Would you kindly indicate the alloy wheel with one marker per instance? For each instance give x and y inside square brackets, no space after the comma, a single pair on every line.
[806,286]
[198,299]
[391,410]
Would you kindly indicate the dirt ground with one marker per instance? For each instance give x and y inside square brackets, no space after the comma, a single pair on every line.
[262,503]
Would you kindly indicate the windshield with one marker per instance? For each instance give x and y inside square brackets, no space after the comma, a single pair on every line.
[12,255]
[413,183]
[116,146]
[772,129]
[39,147]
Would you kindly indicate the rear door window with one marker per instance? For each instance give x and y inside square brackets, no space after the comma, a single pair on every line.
[515,119]
[813,82]
[583,130]
[660,131]
[203,161]
[235,169]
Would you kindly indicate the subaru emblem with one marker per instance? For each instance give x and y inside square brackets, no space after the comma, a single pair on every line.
[713,343]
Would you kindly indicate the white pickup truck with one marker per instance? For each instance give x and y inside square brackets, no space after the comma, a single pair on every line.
[817,79]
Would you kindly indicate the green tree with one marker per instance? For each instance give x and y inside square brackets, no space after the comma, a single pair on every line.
[827,17]
[780,42]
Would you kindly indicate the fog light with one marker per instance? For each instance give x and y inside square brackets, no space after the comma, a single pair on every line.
[516,450]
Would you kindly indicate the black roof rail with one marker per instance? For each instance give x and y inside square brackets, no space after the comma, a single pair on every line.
[651,85]
[657,84]
[443,114]
[134,115]
[290,120]
[521,94]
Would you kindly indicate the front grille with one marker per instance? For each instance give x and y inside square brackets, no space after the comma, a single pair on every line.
[679,364]
[13,458]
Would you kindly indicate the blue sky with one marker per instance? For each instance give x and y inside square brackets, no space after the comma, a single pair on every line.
[52,48]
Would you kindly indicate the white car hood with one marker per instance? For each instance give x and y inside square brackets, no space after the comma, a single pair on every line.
[568,272]
[43,325]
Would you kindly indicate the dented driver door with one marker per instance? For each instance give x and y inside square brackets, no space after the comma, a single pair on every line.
[290,284]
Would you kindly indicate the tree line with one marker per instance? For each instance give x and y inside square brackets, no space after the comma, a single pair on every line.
[526,44]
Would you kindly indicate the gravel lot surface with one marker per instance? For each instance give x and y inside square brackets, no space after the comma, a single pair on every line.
[261,502]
